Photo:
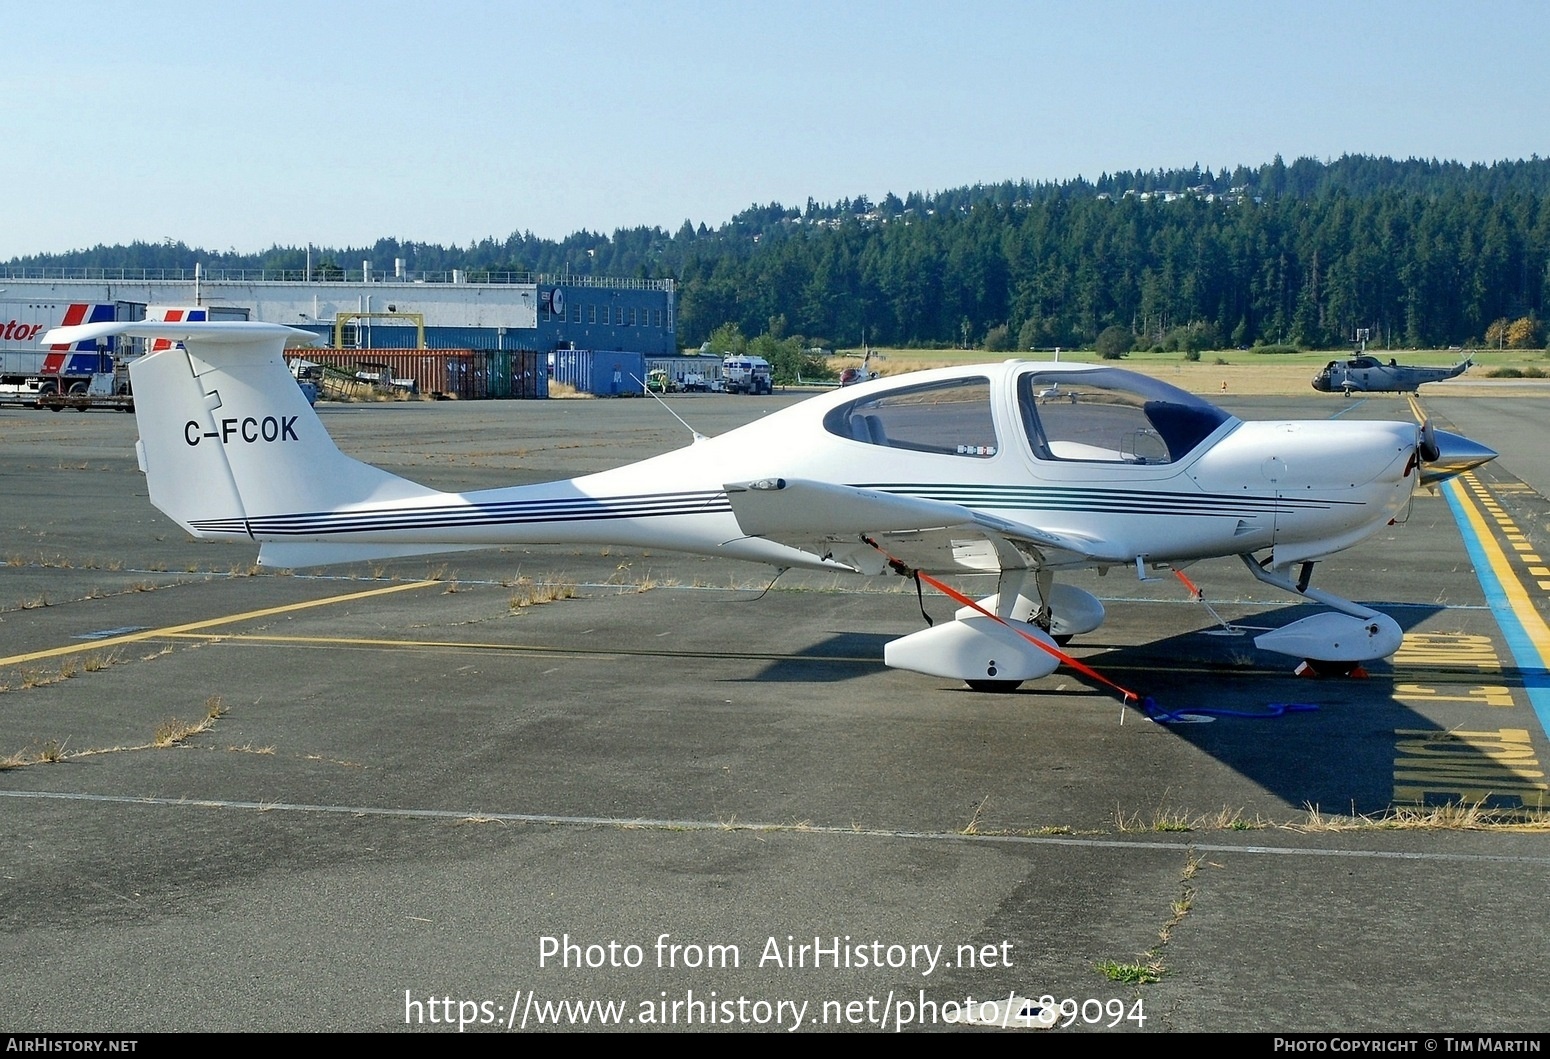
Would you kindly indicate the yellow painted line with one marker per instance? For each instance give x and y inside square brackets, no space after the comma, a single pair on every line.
[1523,608]
[211,623]
[517,648]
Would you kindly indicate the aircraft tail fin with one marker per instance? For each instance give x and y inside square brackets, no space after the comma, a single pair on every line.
[227,436]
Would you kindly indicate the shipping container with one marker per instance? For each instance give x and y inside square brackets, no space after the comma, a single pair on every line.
[467,374]
[605,373]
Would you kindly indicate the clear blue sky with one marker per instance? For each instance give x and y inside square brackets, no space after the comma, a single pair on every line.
[241,125]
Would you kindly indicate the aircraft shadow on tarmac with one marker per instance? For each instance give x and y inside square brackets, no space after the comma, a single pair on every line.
[1336,752]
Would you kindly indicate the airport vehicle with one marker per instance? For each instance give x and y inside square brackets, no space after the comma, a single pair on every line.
[79,375]
[103,389]
[1366,374]
[746,375]
[28,372]
[958,470]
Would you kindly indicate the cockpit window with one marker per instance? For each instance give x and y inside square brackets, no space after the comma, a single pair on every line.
[1112,417]
[950,417]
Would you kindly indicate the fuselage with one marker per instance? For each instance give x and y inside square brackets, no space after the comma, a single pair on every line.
[1098,453]
[1364,374]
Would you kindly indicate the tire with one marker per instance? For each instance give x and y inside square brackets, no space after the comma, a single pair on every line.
[994,687]
[1331,669]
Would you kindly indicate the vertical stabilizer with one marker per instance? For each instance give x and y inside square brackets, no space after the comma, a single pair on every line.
[227,436]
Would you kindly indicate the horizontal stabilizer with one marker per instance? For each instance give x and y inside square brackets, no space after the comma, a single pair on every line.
[259,336]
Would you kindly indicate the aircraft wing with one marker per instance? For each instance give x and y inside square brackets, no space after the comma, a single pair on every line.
[836,521]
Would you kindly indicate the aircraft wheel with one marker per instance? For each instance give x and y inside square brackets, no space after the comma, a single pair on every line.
[1324,668]
[995,687]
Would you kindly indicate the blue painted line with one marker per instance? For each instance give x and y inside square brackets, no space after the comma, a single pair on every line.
[1525,653]
[103,634]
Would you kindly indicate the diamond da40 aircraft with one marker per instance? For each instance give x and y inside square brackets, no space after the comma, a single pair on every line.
[1019,470]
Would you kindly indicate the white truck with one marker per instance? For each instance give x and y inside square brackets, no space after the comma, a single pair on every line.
[742,374]
[84,375]
[105,389]
[30,370]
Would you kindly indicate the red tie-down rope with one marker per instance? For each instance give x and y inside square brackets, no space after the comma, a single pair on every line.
[1081,667]
[1147,704]
[901,567]
[1199,595]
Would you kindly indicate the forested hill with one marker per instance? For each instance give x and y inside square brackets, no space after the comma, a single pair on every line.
[1421,252]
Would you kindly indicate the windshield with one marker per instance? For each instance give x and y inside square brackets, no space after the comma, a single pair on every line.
[1112,416]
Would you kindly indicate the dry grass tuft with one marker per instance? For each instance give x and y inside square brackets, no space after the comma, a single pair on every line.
[1461,816]
[52,752]
[525,593]
[973,826]
[1159,820]
[97,663]
[172,731]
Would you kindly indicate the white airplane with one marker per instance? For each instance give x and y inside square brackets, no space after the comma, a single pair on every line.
[955,471]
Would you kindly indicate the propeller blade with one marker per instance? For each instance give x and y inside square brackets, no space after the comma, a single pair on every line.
[1427,447]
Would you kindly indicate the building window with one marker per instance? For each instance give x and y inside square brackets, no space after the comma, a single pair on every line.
[591,314]
[575,314]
